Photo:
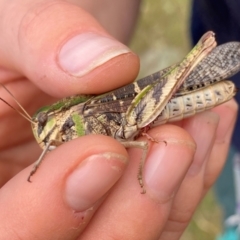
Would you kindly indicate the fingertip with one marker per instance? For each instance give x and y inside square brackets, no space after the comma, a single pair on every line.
[71,179]
[168,161]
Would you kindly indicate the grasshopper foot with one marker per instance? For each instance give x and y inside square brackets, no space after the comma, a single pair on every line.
[35,167]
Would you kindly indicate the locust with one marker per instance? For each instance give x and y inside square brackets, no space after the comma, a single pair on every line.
[195,84]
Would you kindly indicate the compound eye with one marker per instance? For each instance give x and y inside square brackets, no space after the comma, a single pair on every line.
[42,118]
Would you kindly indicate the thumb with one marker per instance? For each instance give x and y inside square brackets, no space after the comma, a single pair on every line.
[62,48]
[65,192]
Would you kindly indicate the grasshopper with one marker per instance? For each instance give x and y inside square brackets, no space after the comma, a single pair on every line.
[126,113]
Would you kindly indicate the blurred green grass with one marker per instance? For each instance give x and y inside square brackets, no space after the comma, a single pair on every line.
[162,39]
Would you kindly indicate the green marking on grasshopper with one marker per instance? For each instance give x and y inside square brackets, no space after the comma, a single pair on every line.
[64,104]
[79,123]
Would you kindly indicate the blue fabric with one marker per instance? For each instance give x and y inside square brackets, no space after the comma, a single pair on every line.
[220,16]
[230,234]
[223,18]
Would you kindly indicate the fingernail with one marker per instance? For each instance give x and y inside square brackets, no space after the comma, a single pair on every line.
[92,179]
[86,51]
[166,166]
[203,130]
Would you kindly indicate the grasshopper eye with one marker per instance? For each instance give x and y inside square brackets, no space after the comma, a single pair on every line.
[42,118]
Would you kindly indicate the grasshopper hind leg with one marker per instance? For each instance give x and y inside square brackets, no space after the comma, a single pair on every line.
[144,146]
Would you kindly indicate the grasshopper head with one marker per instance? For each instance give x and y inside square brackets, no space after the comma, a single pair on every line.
[45,128]
[58,123]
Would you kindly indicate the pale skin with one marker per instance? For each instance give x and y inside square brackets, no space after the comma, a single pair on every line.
[100,198]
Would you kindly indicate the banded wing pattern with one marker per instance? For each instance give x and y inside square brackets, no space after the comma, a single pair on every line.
[222,63]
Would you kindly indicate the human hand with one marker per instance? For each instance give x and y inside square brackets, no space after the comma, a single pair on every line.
[76,192]
[35,66]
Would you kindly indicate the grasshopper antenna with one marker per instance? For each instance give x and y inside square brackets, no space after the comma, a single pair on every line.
[23,113]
